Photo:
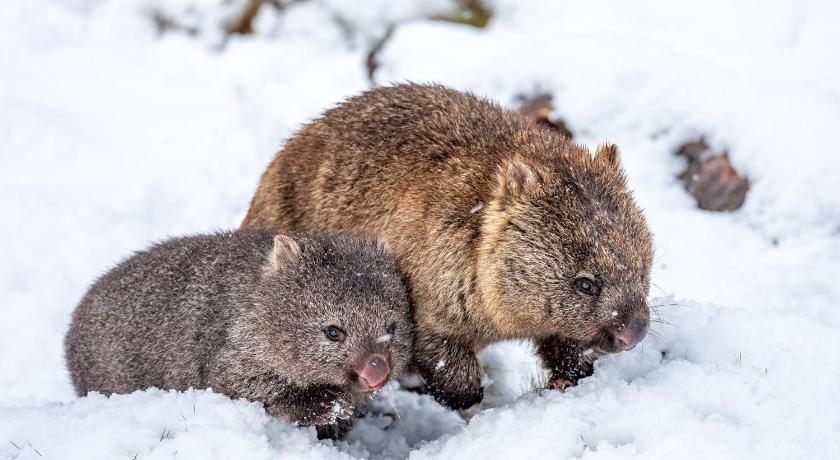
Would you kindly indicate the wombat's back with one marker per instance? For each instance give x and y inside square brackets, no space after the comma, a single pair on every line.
[158,317]
[381,157]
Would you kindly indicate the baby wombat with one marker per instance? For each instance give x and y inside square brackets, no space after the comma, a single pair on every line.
[308,325]
[502,227]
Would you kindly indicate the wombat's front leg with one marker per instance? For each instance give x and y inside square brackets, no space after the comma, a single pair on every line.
[452,372]
[316,405]
[565,359]
[337,430]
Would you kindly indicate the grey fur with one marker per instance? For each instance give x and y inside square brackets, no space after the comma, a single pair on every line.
[243,313]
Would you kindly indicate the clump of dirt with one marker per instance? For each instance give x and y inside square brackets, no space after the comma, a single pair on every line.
[710,177]
[539,108]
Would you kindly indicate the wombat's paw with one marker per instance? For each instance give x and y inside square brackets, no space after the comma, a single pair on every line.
[560,383]
[457,400]
[334,406]
[335,430]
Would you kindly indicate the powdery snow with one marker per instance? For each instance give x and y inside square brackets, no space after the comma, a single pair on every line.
[113,136]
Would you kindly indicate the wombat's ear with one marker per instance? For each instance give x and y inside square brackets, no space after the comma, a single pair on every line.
[285,250]
[608,153]
[517,177]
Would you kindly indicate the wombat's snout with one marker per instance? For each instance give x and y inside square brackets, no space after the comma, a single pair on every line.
[631,334]
[375,371]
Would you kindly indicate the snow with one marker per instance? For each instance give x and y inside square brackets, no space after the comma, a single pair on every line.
[113,136]
[384,338]
[154,424]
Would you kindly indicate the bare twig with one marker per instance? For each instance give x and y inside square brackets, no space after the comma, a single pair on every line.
[372,61]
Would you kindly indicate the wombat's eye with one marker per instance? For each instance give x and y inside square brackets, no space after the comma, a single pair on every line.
[392,328]
[585,285]
[335,334]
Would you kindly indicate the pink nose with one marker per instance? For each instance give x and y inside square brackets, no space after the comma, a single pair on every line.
[632,334]
[375,373]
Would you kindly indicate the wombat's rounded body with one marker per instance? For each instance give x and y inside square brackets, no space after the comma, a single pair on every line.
[306,324]
[502,228]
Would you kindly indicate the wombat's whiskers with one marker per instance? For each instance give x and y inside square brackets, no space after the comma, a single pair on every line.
[664,292]
[655,336]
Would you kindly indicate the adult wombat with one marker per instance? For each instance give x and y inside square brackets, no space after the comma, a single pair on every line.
[502,228]
[306,324]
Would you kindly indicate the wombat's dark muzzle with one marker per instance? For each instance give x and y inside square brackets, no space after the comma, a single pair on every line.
[631,333]
[375,371]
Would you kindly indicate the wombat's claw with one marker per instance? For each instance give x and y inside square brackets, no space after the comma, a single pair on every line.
[561,383]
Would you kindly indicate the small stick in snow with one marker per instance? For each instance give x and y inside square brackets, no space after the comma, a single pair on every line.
[394,408]
[33,448]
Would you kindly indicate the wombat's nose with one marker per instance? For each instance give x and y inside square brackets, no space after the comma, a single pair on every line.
[633,333]
[375,372]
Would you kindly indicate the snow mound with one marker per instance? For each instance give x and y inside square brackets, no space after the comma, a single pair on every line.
[155,424]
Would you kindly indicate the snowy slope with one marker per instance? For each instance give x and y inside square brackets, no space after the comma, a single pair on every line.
[113,136]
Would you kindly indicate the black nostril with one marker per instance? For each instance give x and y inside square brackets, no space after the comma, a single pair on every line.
[619,343]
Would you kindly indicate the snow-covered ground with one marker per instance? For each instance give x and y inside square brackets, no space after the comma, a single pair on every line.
[113,136]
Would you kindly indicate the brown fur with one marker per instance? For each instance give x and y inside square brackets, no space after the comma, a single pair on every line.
[492,218]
